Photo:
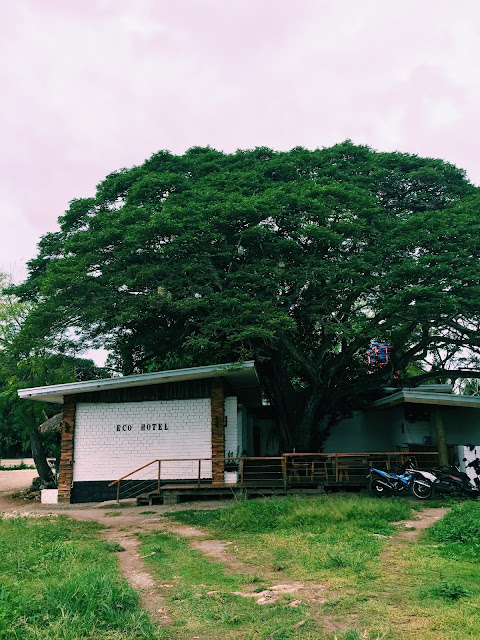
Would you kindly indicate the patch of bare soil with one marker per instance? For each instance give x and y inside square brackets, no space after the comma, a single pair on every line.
[409,530]
[17,479]
[132,567]
[221,551]
[272,594]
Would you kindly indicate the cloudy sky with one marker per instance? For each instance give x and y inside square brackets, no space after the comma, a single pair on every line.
[90,86]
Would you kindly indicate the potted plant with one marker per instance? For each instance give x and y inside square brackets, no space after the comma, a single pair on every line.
[231,469]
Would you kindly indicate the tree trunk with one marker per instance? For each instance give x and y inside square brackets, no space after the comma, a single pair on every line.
[303,431]
[39,456]
[281,395]
[441,437]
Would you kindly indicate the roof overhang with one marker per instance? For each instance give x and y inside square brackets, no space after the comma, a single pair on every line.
[426,397]
[242,376]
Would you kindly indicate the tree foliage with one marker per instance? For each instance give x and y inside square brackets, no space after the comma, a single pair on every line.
[297,259]
[24,366]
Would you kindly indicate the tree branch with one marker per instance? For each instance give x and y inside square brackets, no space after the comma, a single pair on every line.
[305,362]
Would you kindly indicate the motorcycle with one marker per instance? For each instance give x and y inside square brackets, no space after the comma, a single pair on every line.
[446,481]
[451,481]
[422,483]
[382,483]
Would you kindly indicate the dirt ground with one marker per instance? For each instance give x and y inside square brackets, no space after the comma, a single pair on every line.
[16,480]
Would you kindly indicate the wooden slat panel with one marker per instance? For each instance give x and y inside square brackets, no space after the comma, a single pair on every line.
[184,390]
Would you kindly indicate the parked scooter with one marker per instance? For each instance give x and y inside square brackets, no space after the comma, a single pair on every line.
[425,484]
[451,481]
[383,483]
[446,481]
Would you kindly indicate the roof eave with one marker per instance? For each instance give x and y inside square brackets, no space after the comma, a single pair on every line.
[56,393]
[416,397]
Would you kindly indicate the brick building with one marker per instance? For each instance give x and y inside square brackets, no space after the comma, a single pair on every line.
[113,426]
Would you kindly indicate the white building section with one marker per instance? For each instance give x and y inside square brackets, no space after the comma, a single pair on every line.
[113,439]
[233,435]
[465,455]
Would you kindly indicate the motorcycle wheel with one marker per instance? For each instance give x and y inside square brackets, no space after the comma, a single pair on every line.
[378,489]
[420,491]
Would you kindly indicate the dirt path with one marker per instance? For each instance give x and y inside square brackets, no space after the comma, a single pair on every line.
[122,526]
[221,551]
[217,550]
[409,530]
[131,565]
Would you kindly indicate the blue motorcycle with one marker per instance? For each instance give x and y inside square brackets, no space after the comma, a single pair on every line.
[383,483]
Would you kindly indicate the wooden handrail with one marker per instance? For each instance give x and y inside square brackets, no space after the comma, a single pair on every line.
[242,459]
[159,460]
[360,454]
[132,472]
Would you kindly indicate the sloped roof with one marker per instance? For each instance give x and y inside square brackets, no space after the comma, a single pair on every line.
[242,376]
[53,424]
[417,396]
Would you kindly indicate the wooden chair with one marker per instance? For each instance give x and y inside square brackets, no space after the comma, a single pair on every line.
[319,468]
[347,465]
[305,468]
[298,469]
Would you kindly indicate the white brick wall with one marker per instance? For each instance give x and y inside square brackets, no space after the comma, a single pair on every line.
[233,436]
[110,442]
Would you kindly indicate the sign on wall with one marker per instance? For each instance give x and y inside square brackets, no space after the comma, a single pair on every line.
[148,426]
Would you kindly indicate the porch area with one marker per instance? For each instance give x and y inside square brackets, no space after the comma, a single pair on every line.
[173,480]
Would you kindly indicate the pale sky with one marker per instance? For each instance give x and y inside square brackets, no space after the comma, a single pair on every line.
[91,86]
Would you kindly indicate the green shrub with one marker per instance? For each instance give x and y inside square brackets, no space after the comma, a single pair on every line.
[17,467]
[448,591]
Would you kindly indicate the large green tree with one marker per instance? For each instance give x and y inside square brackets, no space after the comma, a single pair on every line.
[297,259]
[30,364]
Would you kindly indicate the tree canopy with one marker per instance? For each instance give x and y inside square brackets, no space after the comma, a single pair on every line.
[26,366]
[297,259]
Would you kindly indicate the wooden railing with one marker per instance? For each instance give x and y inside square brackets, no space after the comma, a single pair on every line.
[259,469]
[288,470]
[144,483]
[338,468]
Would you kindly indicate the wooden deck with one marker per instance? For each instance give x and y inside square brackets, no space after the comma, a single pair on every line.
[307,473]
[173,494]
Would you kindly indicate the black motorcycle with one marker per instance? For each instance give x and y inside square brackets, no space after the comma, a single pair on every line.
[453,482]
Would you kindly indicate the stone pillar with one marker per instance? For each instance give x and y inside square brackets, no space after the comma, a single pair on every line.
[65,478]
[218,431]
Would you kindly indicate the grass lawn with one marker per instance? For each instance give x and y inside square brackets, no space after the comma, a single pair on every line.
[357,578]
[335,538]
[59,581]
[375,588]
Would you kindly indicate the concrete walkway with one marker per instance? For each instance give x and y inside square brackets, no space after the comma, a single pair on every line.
[17,480]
